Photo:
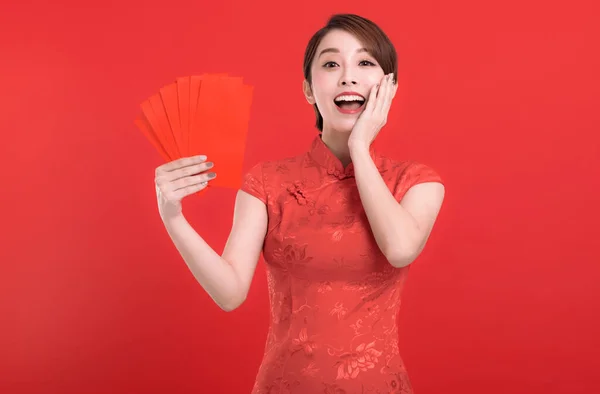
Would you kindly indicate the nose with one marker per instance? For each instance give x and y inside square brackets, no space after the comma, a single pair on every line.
[348,78]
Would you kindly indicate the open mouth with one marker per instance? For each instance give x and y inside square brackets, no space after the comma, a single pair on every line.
[349,102]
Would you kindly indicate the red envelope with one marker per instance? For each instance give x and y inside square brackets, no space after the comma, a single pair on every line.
[201,114]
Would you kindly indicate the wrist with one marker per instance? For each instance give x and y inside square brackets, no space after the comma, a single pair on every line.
[171,221]
[357,147]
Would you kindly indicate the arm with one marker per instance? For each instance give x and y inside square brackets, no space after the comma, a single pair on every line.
[225,278]
[400,229]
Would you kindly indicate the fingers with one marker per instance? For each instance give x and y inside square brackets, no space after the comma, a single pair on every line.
[389,94]
[182,177]
[386,93]
[181,168]
[372,100]
[168,182]
[185,171]
[179,194]
[180,163]
[188,181]
[384,97]
[180,188]
[381,94]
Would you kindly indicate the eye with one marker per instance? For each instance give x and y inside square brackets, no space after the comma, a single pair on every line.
[329,64]
[368,63]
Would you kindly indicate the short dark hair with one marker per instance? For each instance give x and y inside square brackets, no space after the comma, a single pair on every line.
[372,37]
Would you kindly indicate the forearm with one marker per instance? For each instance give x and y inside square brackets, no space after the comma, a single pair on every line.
[214,273]
[395,230]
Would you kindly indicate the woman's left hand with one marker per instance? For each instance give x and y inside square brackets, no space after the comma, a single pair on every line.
[374,116]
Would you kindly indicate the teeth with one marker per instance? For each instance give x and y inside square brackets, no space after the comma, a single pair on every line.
[349,98]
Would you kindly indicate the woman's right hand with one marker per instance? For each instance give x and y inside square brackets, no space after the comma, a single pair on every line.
[180,178]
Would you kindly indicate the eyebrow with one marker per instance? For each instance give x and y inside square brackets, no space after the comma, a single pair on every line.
[335,50]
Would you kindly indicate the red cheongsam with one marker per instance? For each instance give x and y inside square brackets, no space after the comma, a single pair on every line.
[334,297]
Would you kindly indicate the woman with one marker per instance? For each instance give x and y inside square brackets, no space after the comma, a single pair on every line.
[338,226]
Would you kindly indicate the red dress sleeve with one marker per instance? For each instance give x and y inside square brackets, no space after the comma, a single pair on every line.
[253,184]
[413,174]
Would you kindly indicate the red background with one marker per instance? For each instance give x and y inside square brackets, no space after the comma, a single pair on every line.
[501,98]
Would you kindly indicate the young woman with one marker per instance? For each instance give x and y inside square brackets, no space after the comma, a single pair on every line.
[338,226]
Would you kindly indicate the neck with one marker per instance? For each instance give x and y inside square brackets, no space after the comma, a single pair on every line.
[337,142]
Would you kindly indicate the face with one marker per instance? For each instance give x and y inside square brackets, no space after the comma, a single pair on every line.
[343,73]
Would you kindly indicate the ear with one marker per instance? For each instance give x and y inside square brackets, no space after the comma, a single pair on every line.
[308,92]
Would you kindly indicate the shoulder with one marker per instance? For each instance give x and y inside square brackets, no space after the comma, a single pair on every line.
[275,167]
[266,177]
[403,175]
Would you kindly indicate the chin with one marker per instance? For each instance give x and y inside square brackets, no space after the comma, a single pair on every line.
[344,126]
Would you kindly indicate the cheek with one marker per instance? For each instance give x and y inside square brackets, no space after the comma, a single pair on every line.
[321,88]
[374,80]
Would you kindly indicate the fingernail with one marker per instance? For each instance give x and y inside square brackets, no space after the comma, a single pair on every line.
[202,157]
[209,165]
[212,175]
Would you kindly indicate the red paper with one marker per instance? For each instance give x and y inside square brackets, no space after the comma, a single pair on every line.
[144,126]
[183,95]
[201,114]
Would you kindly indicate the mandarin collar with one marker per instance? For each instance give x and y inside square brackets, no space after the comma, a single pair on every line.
[322,155]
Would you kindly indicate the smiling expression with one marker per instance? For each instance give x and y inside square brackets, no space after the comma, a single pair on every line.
[343,73]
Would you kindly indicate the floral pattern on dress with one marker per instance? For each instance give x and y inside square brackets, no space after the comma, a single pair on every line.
[334,298]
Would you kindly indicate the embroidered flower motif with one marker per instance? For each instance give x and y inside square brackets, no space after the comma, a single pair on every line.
[333,389]
[324,287]
[338,310]
[310,370]
[303,342]
[282,168]
[338,229]
[280,386]
[362,359]
[291,255]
